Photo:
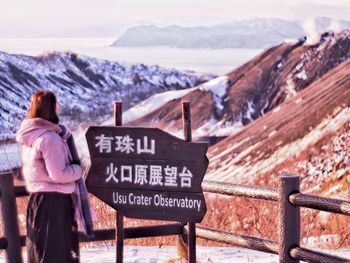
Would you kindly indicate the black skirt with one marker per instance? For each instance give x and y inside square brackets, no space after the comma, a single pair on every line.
[50,226]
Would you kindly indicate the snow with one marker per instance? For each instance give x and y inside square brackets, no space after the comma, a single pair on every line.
[272,133]
[278,108]
[218,87]
[314,241]
[302,75]
[290,88]
[250,111]
[299,66]
[154,102]
[154,254]
[298,100]
[167,254]
[217,128]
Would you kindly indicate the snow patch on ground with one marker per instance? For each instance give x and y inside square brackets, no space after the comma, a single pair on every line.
[217,128]
[250,110]
[166,254]
[290,88]
[218,87]
[302,75]
[152,103]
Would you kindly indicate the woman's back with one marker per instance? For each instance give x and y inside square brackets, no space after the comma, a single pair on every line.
[46,157]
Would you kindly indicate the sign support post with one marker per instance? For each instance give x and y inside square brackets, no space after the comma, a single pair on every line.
[119,216]
[191,239]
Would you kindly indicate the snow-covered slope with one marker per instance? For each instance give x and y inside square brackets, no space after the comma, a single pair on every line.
[207,100]
[86,87]
[152,103]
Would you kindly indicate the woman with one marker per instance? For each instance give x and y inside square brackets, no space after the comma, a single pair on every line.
[50,178]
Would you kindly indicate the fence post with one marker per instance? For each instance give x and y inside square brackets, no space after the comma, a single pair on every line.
[289,217]
[9,218]
[119,235]
[191,240]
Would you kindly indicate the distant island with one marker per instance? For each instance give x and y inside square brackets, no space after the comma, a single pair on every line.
[248,33]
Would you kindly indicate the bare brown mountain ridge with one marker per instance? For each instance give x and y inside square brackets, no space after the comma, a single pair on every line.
[258,86]
[300,95]
[294,103]
[307,135]
[288,131]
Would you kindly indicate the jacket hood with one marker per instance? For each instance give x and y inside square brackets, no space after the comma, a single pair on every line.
[31,129]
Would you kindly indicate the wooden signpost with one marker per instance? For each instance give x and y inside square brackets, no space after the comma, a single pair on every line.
[147,173]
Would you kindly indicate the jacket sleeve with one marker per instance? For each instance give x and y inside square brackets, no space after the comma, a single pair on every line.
[52,149]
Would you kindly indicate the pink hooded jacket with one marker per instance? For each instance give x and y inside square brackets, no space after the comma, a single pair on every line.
[46,157]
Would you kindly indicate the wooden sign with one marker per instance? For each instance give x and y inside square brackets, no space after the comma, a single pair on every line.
[147,173]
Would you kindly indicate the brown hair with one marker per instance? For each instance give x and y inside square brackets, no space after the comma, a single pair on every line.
[43,105]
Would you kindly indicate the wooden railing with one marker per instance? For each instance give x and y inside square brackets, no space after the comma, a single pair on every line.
[289,201]
[287,196]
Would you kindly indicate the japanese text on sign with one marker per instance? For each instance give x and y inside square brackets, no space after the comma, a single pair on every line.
[124,144]
[149,174]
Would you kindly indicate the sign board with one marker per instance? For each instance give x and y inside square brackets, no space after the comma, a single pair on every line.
[147,173]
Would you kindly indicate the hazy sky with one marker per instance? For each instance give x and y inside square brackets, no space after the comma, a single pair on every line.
[107,17]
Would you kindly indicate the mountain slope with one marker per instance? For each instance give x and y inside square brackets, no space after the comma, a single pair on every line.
[287,131]
[307,135]
[86,87]
[204,100]
[256,87]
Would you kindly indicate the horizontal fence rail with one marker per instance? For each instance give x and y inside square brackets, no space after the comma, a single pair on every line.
[240,190]
[321,203]
[308,255]
[237,240]
[297,199]
[129,233]
[303,200]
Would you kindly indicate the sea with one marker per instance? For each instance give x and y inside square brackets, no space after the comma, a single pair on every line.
[216,61]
